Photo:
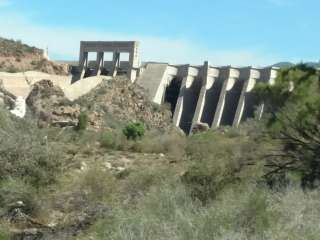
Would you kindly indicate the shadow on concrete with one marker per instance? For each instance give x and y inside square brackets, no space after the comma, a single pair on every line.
[172,93]
[231,103]
[190,100]
[211,102]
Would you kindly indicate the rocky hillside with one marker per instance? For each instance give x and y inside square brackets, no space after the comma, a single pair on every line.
[112,102]
[125,102]
[18,57]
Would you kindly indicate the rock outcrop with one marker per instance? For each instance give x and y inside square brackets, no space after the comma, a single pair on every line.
[123,101]
[112,100]
[49,104]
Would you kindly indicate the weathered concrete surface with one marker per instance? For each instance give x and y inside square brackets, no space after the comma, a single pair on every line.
[20,84]
[15,84]
[80,88]
[154,79]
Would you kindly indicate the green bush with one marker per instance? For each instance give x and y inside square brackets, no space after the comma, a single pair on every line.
[134,131]
[82,122]
[293,107]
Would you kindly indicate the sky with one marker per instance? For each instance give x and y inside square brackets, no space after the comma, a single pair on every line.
[224,32]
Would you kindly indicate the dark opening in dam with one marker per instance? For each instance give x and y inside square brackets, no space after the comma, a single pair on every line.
[211,102]
[172,93]
[231,103]
[190,99]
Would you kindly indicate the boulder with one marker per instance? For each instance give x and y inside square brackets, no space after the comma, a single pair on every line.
[200,127]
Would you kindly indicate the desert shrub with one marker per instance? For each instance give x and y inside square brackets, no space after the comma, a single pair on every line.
[152,218]
[217,159]
[139,182]
[82,121]
[242,211]
[172,143]
[214,161]
[134,131]
[34,62]
[26,153]
[12,69]
[97,182]
[114,140]
[14,190]
[31,161]
[108,141]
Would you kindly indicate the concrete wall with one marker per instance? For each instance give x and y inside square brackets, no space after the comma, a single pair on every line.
[217,96]
[20,84]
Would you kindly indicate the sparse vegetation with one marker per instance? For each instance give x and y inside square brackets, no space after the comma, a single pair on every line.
[18,57]
[16,48]
[142,181]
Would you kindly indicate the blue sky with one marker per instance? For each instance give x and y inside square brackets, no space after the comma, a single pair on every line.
[238,32]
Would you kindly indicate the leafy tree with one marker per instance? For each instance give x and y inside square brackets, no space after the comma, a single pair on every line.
[293,107]
[134,130]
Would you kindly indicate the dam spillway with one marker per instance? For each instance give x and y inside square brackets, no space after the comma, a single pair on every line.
[197,94]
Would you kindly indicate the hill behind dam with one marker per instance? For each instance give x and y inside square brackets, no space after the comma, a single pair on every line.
[18,57]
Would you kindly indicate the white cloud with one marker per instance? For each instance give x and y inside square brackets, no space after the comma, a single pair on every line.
[63,43]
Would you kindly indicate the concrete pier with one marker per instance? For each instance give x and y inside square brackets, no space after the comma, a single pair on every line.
[188,97]
[209,95]
[230,89]
[245,107]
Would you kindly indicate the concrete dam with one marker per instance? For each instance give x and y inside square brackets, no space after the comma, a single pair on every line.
[198,94]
